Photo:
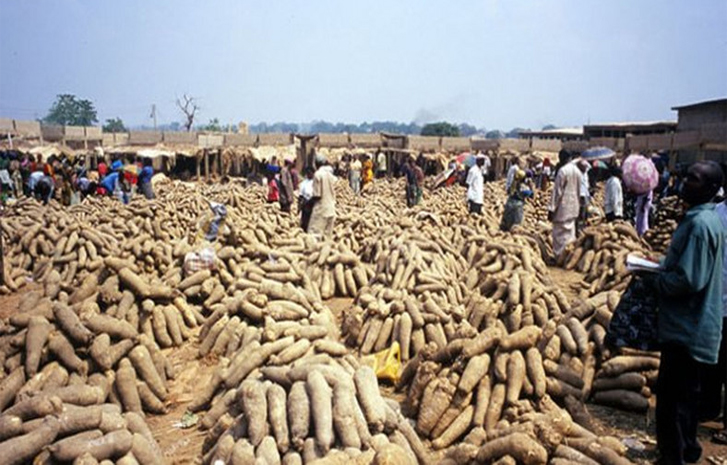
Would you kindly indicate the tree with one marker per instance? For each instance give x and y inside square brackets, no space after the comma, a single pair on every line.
[213,126]
[494,134]
[467,130]
[440,129]
[114,125]
[548,127]
[69,110]
[515,133]
[189,108]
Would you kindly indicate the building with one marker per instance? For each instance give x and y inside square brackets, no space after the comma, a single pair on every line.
[697,115]
[561,134]
[622,130]
[702,131]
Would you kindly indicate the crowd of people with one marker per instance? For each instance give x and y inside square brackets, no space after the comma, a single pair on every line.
[70,181]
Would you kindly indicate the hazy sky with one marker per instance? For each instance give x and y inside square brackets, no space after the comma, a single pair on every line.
[494,64]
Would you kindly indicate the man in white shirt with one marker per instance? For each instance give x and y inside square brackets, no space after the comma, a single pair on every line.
[614,202]
[381,165]
[324,198]
[565,203]
[354,175]
[475,186]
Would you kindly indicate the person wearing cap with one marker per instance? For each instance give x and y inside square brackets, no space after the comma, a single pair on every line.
[323,213]
[475,186]
[565,202]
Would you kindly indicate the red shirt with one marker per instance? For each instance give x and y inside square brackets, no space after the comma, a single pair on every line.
[102,169]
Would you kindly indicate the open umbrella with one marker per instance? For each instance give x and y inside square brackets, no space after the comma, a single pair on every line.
[639,174]
[466,158]
[598,153]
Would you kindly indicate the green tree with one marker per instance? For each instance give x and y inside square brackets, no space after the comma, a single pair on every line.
[548,127]
[71,111]
[114,125]
[440,129]
[467,130]
[495,134]
[515,132]
[213,126]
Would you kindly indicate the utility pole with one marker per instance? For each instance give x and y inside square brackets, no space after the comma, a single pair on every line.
[154,115]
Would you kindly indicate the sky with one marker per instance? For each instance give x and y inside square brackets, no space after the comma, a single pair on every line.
[496,64]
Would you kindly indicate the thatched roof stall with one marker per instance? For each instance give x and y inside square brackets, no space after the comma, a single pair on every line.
[165,158]
[57,150]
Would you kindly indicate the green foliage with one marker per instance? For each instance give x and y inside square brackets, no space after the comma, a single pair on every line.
[69,110]
[467,130]
[114,125]
[440,129]
[213,126]
[515,132]
[495,134]
[548,127]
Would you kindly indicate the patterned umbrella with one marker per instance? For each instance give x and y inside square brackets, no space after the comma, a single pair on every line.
[598,153]
[639,174]
[466,158]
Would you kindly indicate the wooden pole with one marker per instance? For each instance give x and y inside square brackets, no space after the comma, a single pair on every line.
[206,166]
[199,174]
[2,260]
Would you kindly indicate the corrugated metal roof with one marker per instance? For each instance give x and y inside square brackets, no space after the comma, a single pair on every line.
[706,102]
[632,123]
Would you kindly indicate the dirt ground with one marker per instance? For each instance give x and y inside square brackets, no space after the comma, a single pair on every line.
[184,445]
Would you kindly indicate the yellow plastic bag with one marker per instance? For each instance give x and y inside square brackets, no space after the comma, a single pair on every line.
[386,364]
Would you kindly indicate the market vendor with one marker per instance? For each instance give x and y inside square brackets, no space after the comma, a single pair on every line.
[690,314]
[324,200]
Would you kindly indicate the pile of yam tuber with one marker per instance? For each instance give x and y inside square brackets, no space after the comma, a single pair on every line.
[498,362]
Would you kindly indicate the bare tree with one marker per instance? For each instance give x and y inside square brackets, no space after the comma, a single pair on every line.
[189,108]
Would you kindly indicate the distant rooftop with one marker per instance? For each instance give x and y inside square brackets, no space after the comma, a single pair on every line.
[558,131]
[633,124]
[706,102]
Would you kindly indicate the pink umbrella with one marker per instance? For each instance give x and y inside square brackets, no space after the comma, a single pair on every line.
[639,174]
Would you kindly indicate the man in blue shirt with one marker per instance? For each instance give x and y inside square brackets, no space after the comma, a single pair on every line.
[690,314]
